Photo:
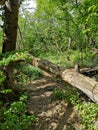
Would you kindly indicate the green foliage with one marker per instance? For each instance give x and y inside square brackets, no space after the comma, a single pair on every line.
[59,94]
[88,111]
[16,117]
[31,71]
[1,36]
[46,33]
[27,73]
[2,77]
[89,114]
[55,22]
[87,58]
[69,95]
[7,58]
[5,91]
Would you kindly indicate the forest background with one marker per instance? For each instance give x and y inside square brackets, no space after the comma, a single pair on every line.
[63,31]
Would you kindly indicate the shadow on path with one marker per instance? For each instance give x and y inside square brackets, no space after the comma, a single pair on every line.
[53,114]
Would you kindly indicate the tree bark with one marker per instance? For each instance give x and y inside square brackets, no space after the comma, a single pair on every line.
[78,80]
[9,38]
[10,26]
[71,76]
[82,82]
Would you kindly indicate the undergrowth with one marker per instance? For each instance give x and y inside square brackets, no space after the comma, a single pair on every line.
[87,58]
[26,73]
[14,116]
[70,95]
[89,115]
[88,110]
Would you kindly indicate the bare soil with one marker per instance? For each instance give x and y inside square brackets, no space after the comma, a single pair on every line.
[52,114]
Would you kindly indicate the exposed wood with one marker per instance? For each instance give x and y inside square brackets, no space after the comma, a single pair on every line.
[88,70]
[80,81]
[87,85]
[46,66]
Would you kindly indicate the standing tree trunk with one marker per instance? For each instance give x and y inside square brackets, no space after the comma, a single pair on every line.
[10,26]
[9,39]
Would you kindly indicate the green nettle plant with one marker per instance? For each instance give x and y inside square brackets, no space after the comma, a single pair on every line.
[89,115]
[69,95]
[59,94]
[16,117]
[30,71]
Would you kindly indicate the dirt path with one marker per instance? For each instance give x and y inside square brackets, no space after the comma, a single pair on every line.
[53,114]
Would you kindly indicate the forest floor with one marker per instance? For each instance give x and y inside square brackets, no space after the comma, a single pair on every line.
[53,114]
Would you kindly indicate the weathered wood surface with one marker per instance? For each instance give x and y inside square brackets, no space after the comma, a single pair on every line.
[87,85]
[80,81]
[88,70]
[46,66]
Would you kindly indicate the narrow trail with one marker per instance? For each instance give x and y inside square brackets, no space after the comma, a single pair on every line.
[53,114]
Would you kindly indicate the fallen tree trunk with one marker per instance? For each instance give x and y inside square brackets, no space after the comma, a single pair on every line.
[88,70]
[46,66]
[71,76]
[80,81]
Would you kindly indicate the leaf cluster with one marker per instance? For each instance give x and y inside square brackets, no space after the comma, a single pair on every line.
[16,117]
[25,73]
[69,95]
[89,114]
[8,58]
